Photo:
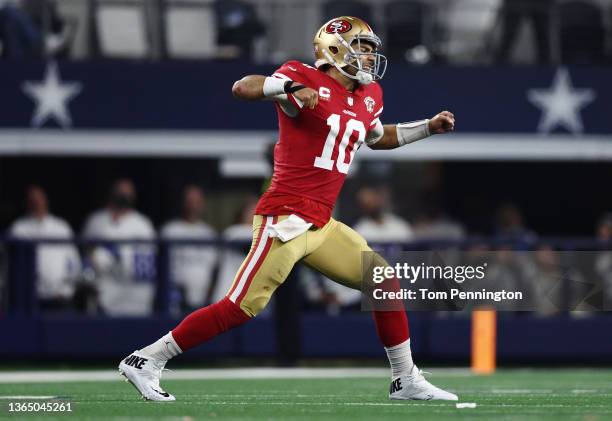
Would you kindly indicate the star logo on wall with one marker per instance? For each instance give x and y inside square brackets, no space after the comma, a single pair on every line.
[561,103]
[51,97]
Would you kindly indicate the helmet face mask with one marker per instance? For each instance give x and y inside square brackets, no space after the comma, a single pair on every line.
[360,60]
[342,41]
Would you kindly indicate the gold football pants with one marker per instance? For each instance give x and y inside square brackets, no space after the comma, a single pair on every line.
[334,250]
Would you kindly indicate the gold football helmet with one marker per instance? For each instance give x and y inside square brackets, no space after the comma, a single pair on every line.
[338,43]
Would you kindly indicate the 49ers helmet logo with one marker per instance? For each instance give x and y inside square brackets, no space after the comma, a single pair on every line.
[339,26]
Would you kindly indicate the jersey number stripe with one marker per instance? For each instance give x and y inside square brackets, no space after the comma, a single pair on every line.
[325,161]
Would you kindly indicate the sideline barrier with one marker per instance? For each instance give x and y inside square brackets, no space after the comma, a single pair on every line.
[443,337]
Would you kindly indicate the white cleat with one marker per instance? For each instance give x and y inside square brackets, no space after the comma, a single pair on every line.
[144,372]
[414,387]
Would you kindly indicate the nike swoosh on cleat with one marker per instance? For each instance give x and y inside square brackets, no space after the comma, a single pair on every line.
[164,394]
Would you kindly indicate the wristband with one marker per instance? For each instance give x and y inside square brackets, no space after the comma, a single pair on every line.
[273,86]
[412,131]
[290,88]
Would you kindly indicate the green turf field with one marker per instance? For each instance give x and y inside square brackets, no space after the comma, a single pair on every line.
[558,395]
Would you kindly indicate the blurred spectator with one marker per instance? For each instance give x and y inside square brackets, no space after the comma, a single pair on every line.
[233,256]
[509,225]
[432,224]
[32,29]
[322,292]
[558,285]
[192,266]
[377,223]
[57,265]
[512,14]
[119,266]
[512,270]
[603,261]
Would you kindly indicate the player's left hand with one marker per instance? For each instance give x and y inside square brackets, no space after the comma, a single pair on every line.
[443,122]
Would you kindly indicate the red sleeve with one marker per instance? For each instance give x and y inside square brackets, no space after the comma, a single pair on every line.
[296,71]
[293,70]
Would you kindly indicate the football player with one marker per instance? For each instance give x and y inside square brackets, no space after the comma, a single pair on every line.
[325,112]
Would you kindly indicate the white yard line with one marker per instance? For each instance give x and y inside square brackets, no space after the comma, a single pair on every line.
[520,391]
[58,376]
[398,404]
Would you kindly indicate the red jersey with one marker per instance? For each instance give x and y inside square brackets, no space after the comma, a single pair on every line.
[316,147]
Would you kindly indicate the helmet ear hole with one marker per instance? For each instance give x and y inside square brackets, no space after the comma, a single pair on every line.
[334,50]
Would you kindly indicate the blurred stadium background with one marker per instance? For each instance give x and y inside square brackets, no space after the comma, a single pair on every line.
[124,108]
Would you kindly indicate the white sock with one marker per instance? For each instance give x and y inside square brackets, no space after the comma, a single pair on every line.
[400,358]
[163,349]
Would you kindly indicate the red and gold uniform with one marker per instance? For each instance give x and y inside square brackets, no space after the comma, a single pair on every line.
[316,147]
[292,222]
[311,161]
[312,158]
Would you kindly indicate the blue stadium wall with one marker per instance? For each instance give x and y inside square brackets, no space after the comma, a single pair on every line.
[197,95]
[520,339]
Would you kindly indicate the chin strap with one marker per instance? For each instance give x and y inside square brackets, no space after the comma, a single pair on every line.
[364,78]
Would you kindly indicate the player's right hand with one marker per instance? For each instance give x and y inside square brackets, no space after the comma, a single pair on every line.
[308,96]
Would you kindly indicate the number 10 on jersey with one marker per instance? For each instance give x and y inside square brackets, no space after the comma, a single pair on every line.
[325,161]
